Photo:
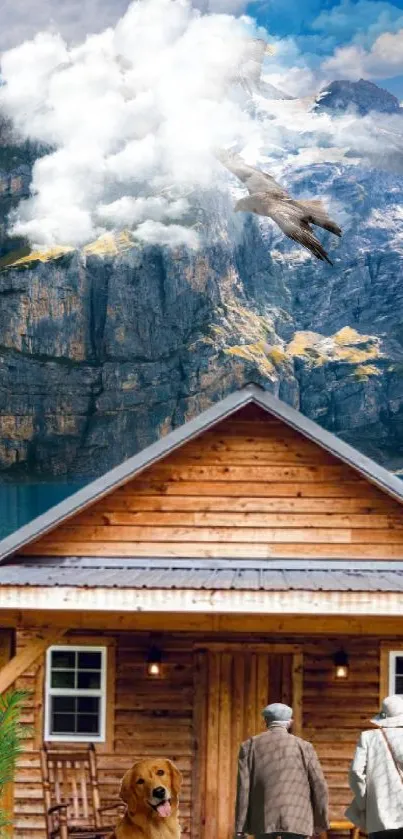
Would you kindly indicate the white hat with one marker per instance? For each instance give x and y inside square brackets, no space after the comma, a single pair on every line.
[391,715]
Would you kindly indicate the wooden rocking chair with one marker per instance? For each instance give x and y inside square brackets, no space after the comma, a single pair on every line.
[71,795]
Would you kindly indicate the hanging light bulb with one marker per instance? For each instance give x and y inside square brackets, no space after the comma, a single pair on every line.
[341,668]
[154,661]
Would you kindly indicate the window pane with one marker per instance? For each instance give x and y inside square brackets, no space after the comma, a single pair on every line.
[63,724]
[89,661]
[75,716]
[63,659]
[64,704]
[86,680]
[63,679]
[88,704]
[87,724]
[399,665]
[399,684]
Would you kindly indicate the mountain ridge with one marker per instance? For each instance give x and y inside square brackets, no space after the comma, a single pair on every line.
[363,96]
[105,349]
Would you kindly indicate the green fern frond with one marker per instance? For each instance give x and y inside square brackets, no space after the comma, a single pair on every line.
[12,734]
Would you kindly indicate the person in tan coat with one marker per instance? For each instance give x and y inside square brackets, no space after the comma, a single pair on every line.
[281,789]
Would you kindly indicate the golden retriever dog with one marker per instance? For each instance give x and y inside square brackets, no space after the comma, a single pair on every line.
[150,790]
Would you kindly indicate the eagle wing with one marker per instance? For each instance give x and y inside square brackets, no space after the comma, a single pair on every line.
[289,221]
[254,179]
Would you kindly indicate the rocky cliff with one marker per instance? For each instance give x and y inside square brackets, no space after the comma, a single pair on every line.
[104,350]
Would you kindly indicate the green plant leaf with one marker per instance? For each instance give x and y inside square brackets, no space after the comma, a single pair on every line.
[12,735]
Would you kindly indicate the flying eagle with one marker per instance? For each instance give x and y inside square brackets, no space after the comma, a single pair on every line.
[268,198]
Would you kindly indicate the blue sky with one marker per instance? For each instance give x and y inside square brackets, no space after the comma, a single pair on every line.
[321,29]
[307,18]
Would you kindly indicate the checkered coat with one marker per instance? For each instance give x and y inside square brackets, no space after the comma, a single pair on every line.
[280,786]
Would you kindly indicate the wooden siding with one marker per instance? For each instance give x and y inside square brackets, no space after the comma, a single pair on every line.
[159,717]
[251,487]
[335,711]
[152,717]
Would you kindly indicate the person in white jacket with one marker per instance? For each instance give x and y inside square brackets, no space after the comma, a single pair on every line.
[376,775]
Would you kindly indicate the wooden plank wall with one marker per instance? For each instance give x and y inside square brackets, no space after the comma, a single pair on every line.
[155,717]
[251,487]
[152,717]
[335,711]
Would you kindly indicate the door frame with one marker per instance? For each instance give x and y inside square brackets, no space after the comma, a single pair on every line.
[200,650]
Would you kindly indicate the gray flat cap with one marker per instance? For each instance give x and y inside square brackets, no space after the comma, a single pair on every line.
[277,712]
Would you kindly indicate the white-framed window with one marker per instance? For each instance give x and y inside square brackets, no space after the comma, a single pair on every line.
[396,672]
[75,694]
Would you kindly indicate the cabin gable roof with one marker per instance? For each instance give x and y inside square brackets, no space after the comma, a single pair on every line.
[118,476]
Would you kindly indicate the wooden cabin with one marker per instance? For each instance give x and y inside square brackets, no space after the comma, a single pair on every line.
[247,549]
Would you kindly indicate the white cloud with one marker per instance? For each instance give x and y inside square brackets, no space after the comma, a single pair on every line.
[289,70]
[155,233]
[296,81]
[383,60]
[128,211]
[74,19]
[131,111]
[228,7]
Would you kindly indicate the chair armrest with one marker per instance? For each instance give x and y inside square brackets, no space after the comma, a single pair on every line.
[57,807]
[111,807]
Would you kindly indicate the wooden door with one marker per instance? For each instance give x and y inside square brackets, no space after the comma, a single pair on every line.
[232,685]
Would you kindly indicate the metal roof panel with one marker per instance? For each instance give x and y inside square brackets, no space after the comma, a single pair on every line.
[157,574]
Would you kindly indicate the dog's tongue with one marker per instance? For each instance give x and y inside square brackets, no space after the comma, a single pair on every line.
[164,809]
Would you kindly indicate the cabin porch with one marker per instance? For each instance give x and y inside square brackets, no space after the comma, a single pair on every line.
[215,674]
